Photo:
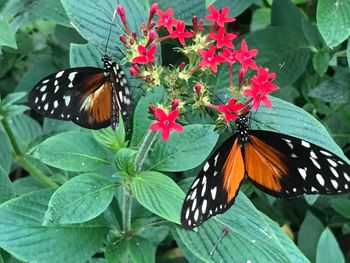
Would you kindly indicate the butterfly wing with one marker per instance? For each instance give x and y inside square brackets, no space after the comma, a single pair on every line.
[215,188]
[286,166]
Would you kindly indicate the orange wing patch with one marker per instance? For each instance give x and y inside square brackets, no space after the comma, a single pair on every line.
[98,104]
[264,164]
[233,171]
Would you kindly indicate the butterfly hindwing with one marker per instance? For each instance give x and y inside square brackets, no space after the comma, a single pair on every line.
[216,186]
[296,166]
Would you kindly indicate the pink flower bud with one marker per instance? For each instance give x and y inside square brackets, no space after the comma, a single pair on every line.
[152,35]
[194,22]
[182,66]
[133,72]
[123,39]
[151,109]
[197,88]
[174,104]
[121,11]
[153,8]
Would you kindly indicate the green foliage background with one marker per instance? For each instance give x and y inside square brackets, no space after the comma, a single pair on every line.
[72,195]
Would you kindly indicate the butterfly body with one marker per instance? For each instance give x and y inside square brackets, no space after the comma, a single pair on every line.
[278,164]
[90,97]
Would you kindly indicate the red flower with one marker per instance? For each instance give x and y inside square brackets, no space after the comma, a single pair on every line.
[166,122]
[146,56]
[166,19]
[222,38]
[210,58]
[219,16]
[261,87]
[231,109]
[229,56]
[246,58]
[180,32]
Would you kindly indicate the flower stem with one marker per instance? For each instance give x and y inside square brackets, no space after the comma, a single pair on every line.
[145,147]
[23,161]
[126,209]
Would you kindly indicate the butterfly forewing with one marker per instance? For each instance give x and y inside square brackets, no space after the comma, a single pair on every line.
[216,186]
[90,97]
[299,167]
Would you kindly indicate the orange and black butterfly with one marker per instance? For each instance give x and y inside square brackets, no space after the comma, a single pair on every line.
[90,97]
[278,164]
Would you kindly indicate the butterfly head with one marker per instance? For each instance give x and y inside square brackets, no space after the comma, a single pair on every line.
[107,65]
[242,129]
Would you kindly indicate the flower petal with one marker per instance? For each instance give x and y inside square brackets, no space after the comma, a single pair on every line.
[177,127]
[160,114]
[165,134]
[173,115]
[156,126]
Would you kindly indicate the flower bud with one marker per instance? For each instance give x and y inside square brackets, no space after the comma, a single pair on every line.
[182,65]
[152,35]
[174,104]
[121,11]
[153,8]
[197,88]
[151,109]
[123,39]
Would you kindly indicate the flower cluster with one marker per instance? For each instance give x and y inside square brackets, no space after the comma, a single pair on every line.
[187,84]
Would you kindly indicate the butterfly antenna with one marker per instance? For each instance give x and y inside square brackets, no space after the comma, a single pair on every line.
[216,96]
[223,234]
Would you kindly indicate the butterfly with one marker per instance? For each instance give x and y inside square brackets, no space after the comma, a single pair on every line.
[90,97]
[278,164]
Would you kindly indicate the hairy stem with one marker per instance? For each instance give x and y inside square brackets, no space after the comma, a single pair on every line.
[126,208]
[23,161]
[145,147]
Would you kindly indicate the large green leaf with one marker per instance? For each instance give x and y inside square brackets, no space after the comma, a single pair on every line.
[333,19]
[81,55]
[328,249]
[260,19]
[21,12]
[80,199]
[23,234]
[71,151]
[287,118]
[134,249]
[333,90]
[7,35]
[141,121]
[159,194]
[93,20]
[6,187]
[342,206]
[282,50]
[309,234]
[183,151]
[251,237]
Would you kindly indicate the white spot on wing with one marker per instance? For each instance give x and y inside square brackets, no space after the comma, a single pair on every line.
[305,144]
[204,206]
[206,167]
[313,155]
[196,214]
[195,183]
[325,153]
[302,172]
[331,162]
[213,193]
[59,74]
[46,106]
[43,88]
[334,183]
[43,98]
[55,104]
[194,204]
[187,213]
[315,163]
[320,179]
[56,89]
[346,176]
[334,172]
[67,100]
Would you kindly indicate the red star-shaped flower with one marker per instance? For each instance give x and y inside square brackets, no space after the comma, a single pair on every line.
[210,58]
[146,56]
[231,109]
[228,56]
[261,87]
[219,16]
[166,122]
[246,58]
[166,19]
[180,32]
[222,38]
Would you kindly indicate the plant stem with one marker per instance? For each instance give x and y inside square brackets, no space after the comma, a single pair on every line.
[145,147]
[23,161]
[126,209]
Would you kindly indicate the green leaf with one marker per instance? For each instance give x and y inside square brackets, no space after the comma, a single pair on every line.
[112,139]
[125,162]
[80,199]
[25,129]
[183,151]
[333,90]
[287,118]
[333,19]
[320,62]
[309,234]
[14,110]
[27,185]
[328,249]
[6,187]
[23,235]
[134,249]
[248,230]
[71,151]
[260,19]
[311,199]
[93,20]
[341,206]
[22,12]
[282,50]
[141,121]
[159,194]
[7,35]
[348,53]
[82,55]
[12,98]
